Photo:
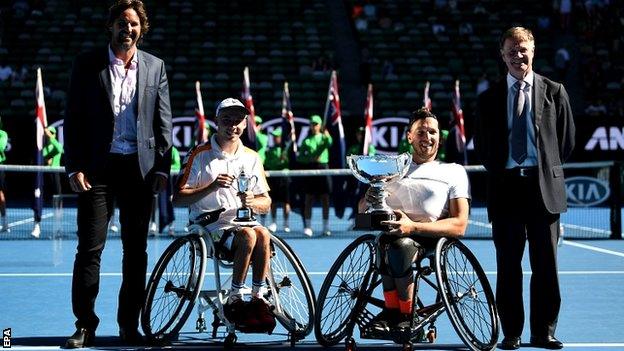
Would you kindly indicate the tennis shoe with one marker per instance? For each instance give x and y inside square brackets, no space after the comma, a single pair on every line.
[308,232]
[36,232]
[385,320]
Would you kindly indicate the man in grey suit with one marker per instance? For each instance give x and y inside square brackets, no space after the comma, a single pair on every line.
[524,133]
[117,144]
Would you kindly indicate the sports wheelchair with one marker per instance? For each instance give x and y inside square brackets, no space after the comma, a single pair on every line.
[346,298]
[177,279]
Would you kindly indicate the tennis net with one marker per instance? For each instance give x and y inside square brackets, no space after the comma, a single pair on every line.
[594,196]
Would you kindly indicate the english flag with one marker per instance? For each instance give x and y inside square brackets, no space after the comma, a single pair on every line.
[458,116]
[426,99]
[41,122]
[332,120]
[201,135]
[250,139]
[368,117]
[288,121]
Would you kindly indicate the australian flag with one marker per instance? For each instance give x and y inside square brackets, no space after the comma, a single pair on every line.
[332,120]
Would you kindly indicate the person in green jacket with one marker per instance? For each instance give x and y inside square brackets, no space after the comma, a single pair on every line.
[262,139]
[314,154]
[52,152]
[4,142]
[166,214]
[277,160]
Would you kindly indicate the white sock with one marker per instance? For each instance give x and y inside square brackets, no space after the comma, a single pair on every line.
[235,293]
[258,289]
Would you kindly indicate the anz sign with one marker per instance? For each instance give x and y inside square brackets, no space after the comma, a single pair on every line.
[586,191]
[604,139]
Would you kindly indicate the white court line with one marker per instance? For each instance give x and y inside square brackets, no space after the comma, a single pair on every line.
[52,275]
[591,344]
[566,345]
[28,220]
[593,248]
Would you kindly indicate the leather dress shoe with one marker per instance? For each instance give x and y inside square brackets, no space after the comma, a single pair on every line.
[81,338]
[548,342]
[510,343]
[131,337]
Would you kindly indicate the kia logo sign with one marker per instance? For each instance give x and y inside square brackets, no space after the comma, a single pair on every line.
[586,191]
[183,133]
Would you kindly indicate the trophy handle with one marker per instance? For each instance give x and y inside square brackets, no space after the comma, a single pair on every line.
[252,184]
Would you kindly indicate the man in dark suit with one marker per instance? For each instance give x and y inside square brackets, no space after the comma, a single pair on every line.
[525,132]
[117,144]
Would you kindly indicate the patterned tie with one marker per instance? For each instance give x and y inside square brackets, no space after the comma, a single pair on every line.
[519,126]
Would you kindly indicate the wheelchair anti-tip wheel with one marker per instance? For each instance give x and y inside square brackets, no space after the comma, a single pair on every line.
[467,295]
[342,292]
[290,290]
[173,287]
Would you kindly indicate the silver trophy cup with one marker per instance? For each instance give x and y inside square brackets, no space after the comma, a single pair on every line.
[244,214]
[378,171]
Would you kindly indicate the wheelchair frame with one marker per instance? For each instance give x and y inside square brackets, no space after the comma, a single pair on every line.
[175,295]
[353,278]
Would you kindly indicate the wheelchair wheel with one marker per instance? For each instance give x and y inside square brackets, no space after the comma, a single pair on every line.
[466,294]
[293,290]
[173,287]
[342,289]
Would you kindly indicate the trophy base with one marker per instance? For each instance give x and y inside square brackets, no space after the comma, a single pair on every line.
[372,221]
[245,222]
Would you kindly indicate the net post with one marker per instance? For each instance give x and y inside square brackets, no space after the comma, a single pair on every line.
[615,180]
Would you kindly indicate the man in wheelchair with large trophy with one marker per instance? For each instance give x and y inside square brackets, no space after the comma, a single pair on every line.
[421,207]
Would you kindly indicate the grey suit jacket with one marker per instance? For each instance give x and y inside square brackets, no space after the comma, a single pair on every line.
[89,119]
[554,130]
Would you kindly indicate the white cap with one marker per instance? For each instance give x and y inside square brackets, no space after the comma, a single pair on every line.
[232,103]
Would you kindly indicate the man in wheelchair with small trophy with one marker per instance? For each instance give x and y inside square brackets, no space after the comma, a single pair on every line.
[420,206]
[224,185]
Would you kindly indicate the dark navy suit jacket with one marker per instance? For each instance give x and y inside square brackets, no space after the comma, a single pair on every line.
[554,131]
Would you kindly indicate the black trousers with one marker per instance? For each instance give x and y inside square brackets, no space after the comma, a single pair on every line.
[524,218]
[121,181]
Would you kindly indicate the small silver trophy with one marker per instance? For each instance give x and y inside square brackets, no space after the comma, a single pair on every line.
[378,171]
[244,214]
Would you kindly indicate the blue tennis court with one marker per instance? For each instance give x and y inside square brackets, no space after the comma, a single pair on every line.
[35,285]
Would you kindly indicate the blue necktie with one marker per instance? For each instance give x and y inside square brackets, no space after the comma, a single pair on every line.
[519,125]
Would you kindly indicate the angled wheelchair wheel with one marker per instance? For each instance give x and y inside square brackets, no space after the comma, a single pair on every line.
[467,295]
[341,297]
[290,290]
[173,287]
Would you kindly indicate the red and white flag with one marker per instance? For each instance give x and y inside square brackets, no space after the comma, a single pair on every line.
[288,122]
[458,116]
[201,135]
[368,119]
[41,122]
[42,118]
[248,101]
[426,99]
